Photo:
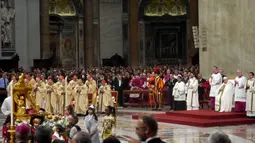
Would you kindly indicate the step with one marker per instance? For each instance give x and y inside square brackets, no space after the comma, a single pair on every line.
[205,114]
[200,122]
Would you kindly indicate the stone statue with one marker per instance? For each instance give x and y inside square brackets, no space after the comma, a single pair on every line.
[7,14]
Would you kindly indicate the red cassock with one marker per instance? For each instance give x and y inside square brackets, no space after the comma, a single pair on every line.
[206,85]
[142,81]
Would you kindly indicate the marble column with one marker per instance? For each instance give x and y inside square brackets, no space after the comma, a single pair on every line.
[44,29]
[133,33]
[88,33]
[229,31]
[192,21]
[96,26]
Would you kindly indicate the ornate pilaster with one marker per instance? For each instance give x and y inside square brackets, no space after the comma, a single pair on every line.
[88,33]
[192,21]
[96,26]
[133,33]
[44,29]
[142,43]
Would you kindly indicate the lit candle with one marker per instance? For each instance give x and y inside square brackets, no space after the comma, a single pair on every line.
[12,110]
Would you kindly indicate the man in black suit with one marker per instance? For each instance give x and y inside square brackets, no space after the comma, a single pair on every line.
[201,89]
[147,129]
[117,84]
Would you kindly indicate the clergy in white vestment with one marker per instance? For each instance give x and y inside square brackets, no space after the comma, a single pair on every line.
[224,97]
[215,82]
[179,95]
[240,94]
[192,93]
[6,106]
[250,93]
[11,85]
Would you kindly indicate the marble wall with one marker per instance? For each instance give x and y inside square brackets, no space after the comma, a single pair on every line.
[27,31]
[111,40]
[227,31]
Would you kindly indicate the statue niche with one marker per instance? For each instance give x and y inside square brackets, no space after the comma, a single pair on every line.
[7,16]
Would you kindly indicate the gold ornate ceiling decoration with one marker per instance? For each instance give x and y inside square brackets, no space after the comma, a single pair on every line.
[62,7]
[165,7]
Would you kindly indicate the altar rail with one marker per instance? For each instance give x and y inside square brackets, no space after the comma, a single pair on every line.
[143,99]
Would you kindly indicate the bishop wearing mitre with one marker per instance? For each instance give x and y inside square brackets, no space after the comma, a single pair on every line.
[49,93]
[70,89]
[215,82]
[192,93]
[240,94]
[224,97]
[39,92]
[105,96]
[250,99]
[81,97]
[92,88]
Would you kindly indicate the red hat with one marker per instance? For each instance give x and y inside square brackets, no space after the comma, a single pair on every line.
[156,69]
[23,129]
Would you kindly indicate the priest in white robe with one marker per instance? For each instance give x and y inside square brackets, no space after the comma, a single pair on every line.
[224,97]
[240,94]
[6,106]
[250,99]
[192,93]
[179,95]
[215,82]
[11,85]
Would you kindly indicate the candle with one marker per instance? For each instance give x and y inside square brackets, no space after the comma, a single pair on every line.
[66,102]
[12,110]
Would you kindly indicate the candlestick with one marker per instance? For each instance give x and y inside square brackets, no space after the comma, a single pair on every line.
[12,106]
[66,102]
[12,134]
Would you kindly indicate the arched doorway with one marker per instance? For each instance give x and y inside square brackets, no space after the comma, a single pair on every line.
[65,24]
[165,33]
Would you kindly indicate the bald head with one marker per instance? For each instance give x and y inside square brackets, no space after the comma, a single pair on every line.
[81,137]
[199,76]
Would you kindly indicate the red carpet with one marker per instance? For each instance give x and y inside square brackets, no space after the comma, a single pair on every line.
[202,118]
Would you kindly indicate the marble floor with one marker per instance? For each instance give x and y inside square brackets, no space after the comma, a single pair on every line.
[173,133]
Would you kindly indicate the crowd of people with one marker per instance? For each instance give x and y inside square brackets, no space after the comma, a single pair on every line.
[185,85]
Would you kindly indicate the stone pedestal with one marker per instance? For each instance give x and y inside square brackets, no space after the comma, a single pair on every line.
[228,35]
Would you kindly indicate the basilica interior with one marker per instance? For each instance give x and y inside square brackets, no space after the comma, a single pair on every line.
[83,33]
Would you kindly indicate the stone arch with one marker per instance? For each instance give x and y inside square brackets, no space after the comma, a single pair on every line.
[171,7]
[66,7]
